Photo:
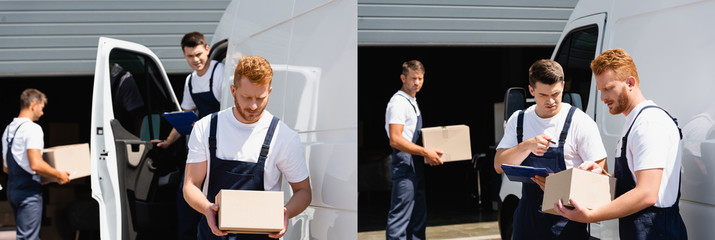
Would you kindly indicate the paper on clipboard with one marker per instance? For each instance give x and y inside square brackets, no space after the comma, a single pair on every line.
[523,173]
[182,121]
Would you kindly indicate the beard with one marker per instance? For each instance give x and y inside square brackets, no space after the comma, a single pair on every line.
[248,115]
[620,105]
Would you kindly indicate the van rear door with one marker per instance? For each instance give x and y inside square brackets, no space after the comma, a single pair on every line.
[134,183]
[581,42]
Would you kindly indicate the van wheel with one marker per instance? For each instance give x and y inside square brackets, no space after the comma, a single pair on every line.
[506,216]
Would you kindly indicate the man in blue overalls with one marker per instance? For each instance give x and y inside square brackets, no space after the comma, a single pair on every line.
[407,218]
[527,139]
[22,145]
[202,93]
[647,162]
[246,148]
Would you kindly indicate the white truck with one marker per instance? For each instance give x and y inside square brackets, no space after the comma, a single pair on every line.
[312,47]
[673,50]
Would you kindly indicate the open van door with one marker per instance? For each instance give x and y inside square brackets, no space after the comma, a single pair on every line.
[581,42]
[134,183]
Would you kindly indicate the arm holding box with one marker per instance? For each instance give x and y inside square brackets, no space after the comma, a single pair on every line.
[41,167]
[302,196]
[644,195]
[400,143]
[193,178]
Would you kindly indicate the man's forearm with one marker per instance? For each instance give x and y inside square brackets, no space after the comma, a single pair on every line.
[195,197]
[297,203]
[400,143]
[512,156]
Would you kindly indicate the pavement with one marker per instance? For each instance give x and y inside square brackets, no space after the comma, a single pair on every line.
[466,231]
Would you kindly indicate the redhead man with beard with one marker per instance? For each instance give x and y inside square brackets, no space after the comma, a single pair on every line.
[245,148]
[647,158]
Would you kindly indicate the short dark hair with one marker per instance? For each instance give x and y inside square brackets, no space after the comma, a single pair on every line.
[192,39]
[413,65]
[31,95]
[545,71]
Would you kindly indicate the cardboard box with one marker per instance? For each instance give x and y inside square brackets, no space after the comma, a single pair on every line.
[589,189]
[452,140]
[73,158]
[258,212]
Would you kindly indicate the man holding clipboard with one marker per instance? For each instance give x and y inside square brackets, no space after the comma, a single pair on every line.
[551,135]
[202,93]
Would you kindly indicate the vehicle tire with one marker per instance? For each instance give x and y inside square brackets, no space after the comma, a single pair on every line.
[506,216]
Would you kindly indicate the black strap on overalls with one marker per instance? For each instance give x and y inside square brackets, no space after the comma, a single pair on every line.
[205,102]
[234,174]
[646,224]
[19,180]
[529,221]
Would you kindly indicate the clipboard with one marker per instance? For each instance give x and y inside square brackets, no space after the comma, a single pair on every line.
[182,121]
[523,173]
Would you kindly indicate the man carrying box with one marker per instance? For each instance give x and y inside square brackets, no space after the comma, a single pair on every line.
[647,166]
[22,147]
[244,148]
[526,141]
[407,218]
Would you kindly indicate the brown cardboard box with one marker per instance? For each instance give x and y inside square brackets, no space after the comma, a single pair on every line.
[259,212]
[589,189]
[73,158]
[452,140]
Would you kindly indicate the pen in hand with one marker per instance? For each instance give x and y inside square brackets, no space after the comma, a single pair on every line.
[552,142]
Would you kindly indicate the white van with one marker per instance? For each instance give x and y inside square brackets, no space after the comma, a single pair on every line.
[312,47]
[674,53]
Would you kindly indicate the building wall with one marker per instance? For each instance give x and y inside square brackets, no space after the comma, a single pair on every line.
[462,22]
[50,38]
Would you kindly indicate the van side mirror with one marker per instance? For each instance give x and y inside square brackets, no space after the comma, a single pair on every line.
[514,100]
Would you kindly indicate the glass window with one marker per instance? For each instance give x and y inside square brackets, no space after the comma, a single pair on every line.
[575,54]
[139,94]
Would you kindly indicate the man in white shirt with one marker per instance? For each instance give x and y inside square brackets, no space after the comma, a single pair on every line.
[407,218]
[246,148]
[528,140]
[202,89]
[647,162]
[22,145]
[202,93]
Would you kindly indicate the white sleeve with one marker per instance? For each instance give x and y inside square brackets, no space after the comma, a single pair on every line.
[34,137]
[198,141]
[187,103]
[218,81]
[396,114]
[589,144]
[291,160]
[649,142]
[509,139]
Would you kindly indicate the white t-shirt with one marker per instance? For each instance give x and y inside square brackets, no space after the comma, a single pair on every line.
[239,141]
[400,111]
[201,84]
[29,136]
[583,142]
[653,143]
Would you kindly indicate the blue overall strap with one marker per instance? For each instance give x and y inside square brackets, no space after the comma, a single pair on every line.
[211,79]
[10,140]
[520,127]
[267,141]
[408,101]
[567,125]
[212,135]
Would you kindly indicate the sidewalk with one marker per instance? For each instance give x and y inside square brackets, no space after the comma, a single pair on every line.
[468,231]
